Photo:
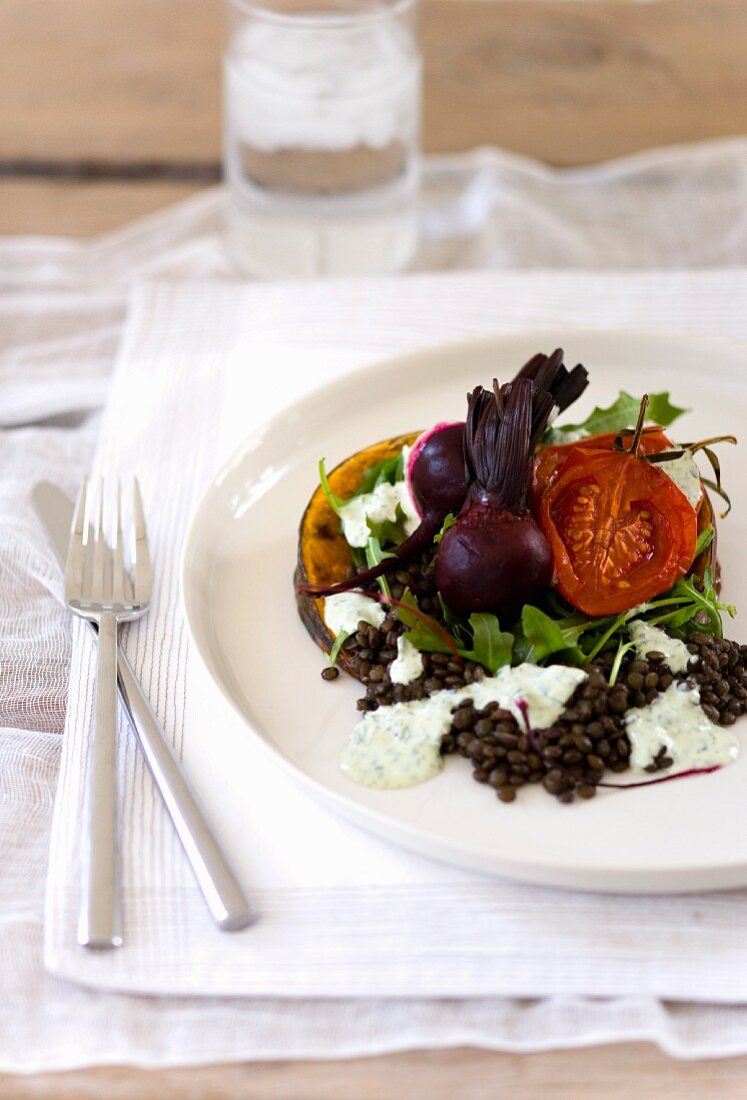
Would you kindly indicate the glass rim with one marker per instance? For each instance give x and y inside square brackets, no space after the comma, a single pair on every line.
[384,9]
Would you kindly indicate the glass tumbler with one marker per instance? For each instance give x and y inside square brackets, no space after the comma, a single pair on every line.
[322,136]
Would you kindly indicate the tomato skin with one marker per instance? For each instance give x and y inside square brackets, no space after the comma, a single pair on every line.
[620,530]
[550,461]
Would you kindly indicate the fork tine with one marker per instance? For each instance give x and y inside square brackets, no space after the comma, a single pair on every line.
[98,591]
[140,553]
[76,552]
[119,595]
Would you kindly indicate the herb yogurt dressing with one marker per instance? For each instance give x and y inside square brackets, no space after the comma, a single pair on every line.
[345,610]
[685,474]
[400,745]
[651,639]
[676,721]
[379,506]
[408,664]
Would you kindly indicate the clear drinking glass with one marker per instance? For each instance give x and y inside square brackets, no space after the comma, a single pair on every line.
[322,135]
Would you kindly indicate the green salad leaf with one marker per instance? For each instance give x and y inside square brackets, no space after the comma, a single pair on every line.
[705,538]
[543,637]
[390,470]
[373,555]
[334,502]
[423,631]
[691,605]
[621,414]
[334,652]
[491,647]
[387,531]
[447,523]
[479,639]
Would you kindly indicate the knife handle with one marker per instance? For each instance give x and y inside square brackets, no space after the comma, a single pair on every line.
[221,889]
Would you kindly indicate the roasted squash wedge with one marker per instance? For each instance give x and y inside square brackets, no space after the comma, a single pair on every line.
[323,554]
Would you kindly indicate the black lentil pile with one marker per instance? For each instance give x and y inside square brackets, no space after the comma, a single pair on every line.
[370,652]
[721,675]
[589,739]
[568,758]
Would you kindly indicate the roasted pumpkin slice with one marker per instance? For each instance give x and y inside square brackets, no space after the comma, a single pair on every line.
[324,556]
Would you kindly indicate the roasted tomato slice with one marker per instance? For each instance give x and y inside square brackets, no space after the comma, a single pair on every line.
[619,529]
[551,460]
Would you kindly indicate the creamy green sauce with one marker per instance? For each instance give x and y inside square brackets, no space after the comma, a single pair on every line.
[408,664]
[652,639]
[685,474]
[544,690]
[378,506]
[345,610]
[676,721]
[399,745]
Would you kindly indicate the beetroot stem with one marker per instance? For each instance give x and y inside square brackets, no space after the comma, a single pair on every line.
[430,623]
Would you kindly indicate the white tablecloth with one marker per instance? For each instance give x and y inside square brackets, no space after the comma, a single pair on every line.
[60,321]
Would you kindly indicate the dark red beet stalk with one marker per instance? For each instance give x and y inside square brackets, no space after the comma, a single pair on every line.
[548,372]
[495,558]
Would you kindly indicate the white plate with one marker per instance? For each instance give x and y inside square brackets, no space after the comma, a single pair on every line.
[237,588]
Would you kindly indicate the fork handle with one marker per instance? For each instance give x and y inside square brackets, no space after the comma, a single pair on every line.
[229,905]
[100,923]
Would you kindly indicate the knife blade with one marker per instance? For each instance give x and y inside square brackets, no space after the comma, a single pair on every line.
[225,897]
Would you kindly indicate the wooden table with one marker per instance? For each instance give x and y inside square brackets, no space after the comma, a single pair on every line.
[110,109]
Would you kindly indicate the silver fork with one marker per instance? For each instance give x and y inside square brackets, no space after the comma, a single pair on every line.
[99,588]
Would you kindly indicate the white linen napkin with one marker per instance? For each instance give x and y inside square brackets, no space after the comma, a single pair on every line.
[343,914]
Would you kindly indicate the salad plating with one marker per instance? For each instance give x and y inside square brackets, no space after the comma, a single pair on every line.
[542,600]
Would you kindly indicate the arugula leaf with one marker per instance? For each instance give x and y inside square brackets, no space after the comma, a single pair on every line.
[423,636]
[623,413]
[448,615]
[334,652]
[447,523]
[491,647]
[482,640]
[389,470]
[545,636]
[387,530]
[696,607]
[374,554]
[622,649]
[334,502]
[705,538]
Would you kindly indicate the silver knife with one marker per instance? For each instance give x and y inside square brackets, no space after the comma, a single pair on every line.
[221,889]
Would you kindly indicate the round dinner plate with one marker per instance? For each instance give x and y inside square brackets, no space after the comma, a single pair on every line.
[237,588]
